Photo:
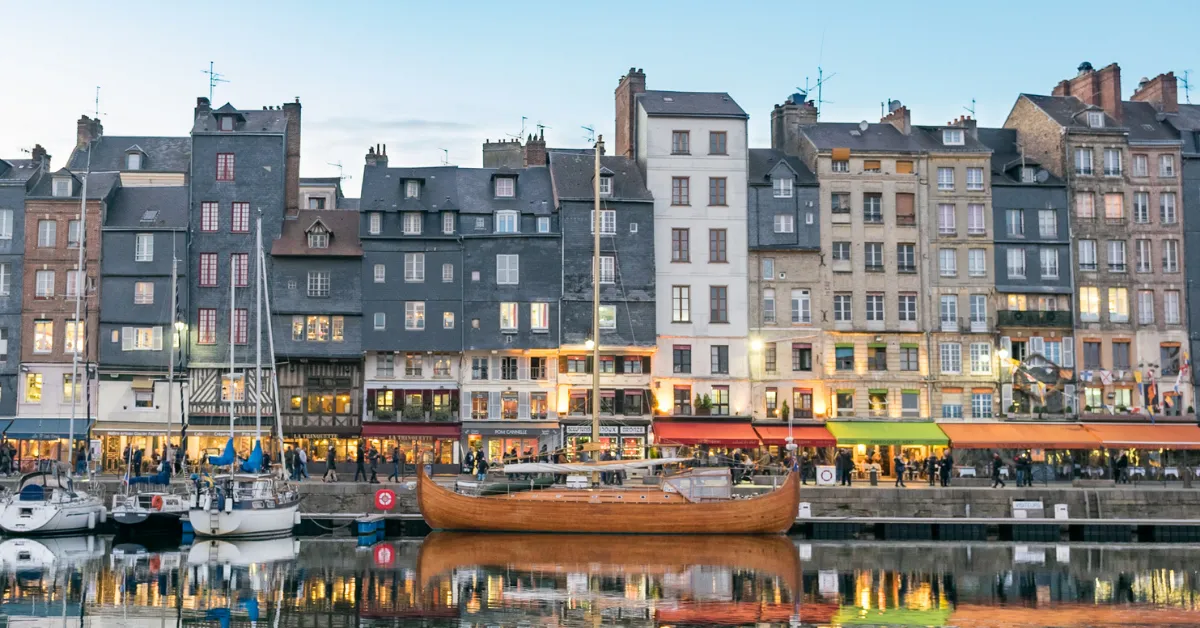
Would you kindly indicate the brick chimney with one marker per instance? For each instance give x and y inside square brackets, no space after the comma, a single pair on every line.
[1101,88]
[87,130]
[966,122]
[38,154]
[628,88]
[898,116]
[786,120]
[1161,91]
[203,106]
[291,167]
[535,149]
[377,156]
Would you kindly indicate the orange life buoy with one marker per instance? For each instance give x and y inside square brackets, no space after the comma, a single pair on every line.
[156,502]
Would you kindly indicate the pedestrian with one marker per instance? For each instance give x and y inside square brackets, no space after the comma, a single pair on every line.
[898,462]
[481,467]
[330,465]
[560,458]
[931,467]
[605,477]
[1123,469]
[5,460]
[469,461]
[511,458]
[997,465]
[137,462]
[374,456]
[618,476]
[946,467]
[360,458]
[81,460]
[302,461]
[180,454]
[805,463]
[395,463]
[289,460]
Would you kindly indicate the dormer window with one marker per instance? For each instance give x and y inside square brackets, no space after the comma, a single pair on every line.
[605,186]
[225,123]
[318,240]
[1095,119]
[412,189]
[133,161]
[62,186]
[506,187]
[316,202]
[1028,174]
[952,137]
[783,187]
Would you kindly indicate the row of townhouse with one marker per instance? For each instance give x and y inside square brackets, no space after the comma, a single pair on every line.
[853,270]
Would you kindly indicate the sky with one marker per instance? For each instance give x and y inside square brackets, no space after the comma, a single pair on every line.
[423,77]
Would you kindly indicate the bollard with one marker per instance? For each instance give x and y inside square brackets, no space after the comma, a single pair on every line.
[874,477]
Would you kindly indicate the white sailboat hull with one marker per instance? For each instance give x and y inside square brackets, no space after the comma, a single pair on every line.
[79,514]
[243,523]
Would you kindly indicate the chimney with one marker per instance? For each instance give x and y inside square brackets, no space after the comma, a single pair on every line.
[898,116]
[377,156]
[38,154]
[1101,88]
[203,106]
[967,123]
[628,88]
[87,130]
[503,154]
[291,167]
[1161,91]
[786,120]
[535,150]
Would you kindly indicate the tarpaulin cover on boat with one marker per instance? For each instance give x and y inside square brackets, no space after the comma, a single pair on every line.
[886,433]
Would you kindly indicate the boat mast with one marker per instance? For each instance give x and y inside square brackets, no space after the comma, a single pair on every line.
[596,223]
[258,333]
[171,351]
[262,261]
[232,336]
[79,284]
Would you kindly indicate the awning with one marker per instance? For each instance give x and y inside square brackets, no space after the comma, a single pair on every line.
[856,616]
[45,429]
[136,428]
[803,436]
[413,430]
[886,433]
[720,434]
[1019,436]
[142,383]
[1146,436]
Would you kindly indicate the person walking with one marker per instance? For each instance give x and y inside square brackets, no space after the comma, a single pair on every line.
[302,463]
[947,466]
[481,467]
[360,458]
[997,465]
[289,459]
[898,463]
[1123,469]
[805,463]
[330,465]
[395,463]
[137,462]
[374,457]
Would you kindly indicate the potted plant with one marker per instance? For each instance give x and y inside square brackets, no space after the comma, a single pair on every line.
[784,412]
[413,412]
[1087,408]
[1012,408]
[385,414]
[703,405]
[1191,410]
[441,415]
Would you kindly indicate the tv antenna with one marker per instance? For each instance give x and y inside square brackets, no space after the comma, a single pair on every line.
[97,110]
[445,156]
[821,79]
[341,175]
[213,79]
[971,109]
[591,134]
[519,136]
[1187,87]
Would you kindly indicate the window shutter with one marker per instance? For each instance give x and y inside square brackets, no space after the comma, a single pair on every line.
[371,400]
[1069,396]
[523,405]
[840,154]
[126,339]
[590,365]
[551,366]
[562,365]
[494,404]
[158,338]
[646,364]
[1068,352]
[494,369]
[514,270]
[1037,344]
[1006,346]
[905,205]
[1006,396]
[618,365]
[499,269]
[523,369]
[464,406]
[619,403]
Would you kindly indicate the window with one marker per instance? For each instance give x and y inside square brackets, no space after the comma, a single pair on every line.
[317,329]
[768,308]
[608,269]
[508,316]
[6,224]
[844,358]
[207,333]
[680,142]
[951,357]
[906,258]
[412,223]
[978,307]
[782,187]
[1016,263]
[1085,205]
[873,208]
[977,262]
[539,316]
[1145,306]
[414,315]
[681,304]
[845,402]
[543,224]
[719,355]
[1089,303]
[1166,208]
[44,284]
[974,179]
[380,273]
[316,202]
[1049,258]
[975,222]
[877,357]
[1116,256]
[875,306]
[1114,206]
[1047,223]
[1141,207]
[1141,166]
[43,336]
[801,356]
[413,365]
[1170,256]
[143,293]
[948,262]
[505,187]
[374,223]
[1083,161]
[412,188]
[768,268]
[241,270]
[1014,220]
[479,369]
[47,234]
[72,234]
[873,256]
[785,223]
[718,304]
[872,165]
[225,123]
[679,245]
[683,400]
[447,273]
[1091,355]
[717,241]
[679,191]
[1143,256]
[1095,119]
[318,282]
[952,137]
[904,167]
[234,389]
[907,307]
[414,267]
[208,270]
[133,161]
[716,190]
[1169,358]
[946,219]
[681,359]
[801,307]
[1118,305]
[5,280]
[318,239]
[73,277]
[605,185]
[608,317]
[447,320]
[62,187]
[981,358]
[508,269]
[841,251]
[240,218]
[506,222]
[1171,307]
[480,224]
[447,220]
[1087,255]
[1112,162]
[840,202]
[1166,165]
[945,179]
[224,166]
[981,405]
[839,165]
[380,321]
[241,325]
[842,308]
[949,311]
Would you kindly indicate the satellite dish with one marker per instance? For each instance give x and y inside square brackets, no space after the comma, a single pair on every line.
[862,126]
[1042,176]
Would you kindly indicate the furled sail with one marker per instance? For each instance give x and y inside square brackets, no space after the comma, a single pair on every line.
[255,462]
[225,458]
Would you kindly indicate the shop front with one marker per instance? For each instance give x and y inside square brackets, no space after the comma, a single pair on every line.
[814,440]
[41,439]
[1154,451]
[704,438]
[629,437]
[206,436]
[419,443]
[878,442]
[316,440]
[115,436]
[498,441]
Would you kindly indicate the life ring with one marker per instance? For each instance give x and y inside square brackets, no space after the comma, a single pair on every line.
[156,502]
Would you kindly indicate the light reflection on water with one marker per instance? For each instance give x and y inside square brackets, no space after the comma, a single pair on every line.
[576,580]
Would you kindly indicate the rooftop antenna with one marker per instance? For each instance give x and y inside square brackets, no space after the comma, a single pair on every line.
[542,127]
[519,136]
[821,79]
[1187,87]
[591,134]
[97,111]
[213,79]
[445,156]
[971,109]
[341,175]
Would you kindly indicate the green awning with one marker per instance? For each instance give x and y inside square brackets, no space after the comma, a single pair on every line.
[877,391]
[844,345]
[909,345]
[911,391]
[886,433]
[854,616]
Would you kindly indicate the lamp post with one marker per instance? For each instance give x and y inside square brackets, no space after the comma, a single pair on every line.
[1003,356]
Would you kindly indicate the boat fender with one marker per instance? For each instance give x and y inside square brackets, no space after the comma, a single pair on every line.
[156,502]
[296,518]
[228,504]
[103,515]
[92,520]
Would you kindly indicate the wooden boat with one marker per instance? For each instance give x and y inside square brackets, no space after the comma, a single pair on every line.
[638,510]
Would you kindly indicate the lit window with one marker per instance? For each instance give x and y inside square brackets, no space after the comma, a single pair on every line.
[33,387]
[414,315]
[608,317]
[508,316]
[43,336]
[143,293]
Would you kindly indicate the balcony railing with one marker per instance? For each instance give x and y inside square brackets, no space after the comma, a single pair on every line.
[1034,318]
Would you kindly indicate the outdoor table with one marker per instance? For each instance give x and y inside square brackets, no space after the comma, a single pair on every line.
[1138,471]
[1171,472]
[966,472]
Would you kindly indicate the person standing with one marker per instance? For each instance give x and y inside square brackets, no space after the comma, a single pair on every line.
[997,465]
[360,458]
[947,466]
[805,463]
[469,461]
[481,467]
[931,467]
[395,463]
[137,463]
[374,456]
[898,463]
[330,465]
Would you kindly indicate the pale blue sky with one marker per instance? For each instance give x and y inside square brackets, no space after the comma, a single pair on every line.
[425,76]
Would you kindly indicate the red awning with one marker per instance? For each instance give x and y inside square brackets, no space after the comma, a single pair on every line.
[416,430]
[802,435]
[721,434]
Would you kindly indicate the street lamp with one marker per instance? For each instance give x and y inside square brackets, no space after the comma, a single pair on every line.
[590,344]
[756,345]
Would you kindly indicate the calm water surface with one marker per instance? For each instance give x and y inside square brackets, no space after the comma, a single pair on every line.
[545,580]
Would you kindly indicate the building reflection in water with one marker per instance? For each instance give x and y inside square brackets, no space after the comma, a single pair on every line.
[486,580]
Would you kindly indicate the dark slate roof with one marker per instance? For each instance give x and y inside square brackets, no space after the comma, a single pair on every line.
[1141,118]
[17,169]
[163,154]
[321,181]
[690,104]
[1065,110]
[254,121]
[348,203]
[879,137]
[1006,158]
[931,138]
[129,205]
[383,190]
[100,184]
[1188,118]
[572,177]
[343,234]
[763,160]
[533,193]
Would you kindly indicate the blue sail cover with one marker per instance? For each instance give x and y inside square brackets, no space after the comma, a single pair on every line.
[163,477]
[254,463]
[225,458]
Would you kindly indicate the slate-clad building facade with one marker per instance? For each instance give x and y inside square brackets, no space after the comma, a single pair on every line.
[17,178]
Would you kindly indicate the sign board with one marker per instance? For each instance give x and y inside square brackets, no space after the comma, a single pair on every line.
[1022,554]
[586,430]
[1028,509]
[631,429]
[805,510]
[827,582]
[1060,511]
[1062,554]
[826,475]
[511,431]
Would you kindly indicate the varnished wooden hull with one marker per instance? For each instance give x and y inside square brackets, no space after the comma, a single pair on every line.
[773,513]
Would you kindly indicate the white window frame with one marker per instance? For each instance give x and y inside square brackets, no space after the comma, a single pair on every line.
[539,316]
[1141,208]
[1016,263]
[1095,119]
[1145,307]
[948,310]
[1047,223]
[509,313]
[543,224]
[608,269]
[5,279]
[953,137]
[412,189]
[133,161]
[448,221]
[374,223]
[785,223]
[62,187]
[1049,262]
[608,221]
[768,268]
[44,284]
[380,272]
[1084,161]
[447,273]
[143,247]
[1168,213]
[318,283]
[875,306]
[508,269]
[975,179]
[945,179]
[843,308]
[605,185]
[976,225]
[318,240]
[1171,307]
[981,358]
[768,310]
[507,221]
[1166,165]
[1141,165]
[505,187]
[143,293]
[782,187]
[947,219]
[608,316]
[948,262]
[47,236]
[1170,256]
[412,223]
[906,307]
[801,306]
[951,358]
[414,315]
[379,321]
[6,224]
[1112,162]
[414,267]
[977,262]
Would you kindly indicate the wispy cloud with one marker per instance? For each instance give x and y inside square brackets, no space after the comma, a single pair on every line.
[353,124]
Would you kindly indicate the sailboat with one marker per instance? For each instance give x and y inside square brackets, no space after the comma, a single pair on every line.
[694,501]
[248,501]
